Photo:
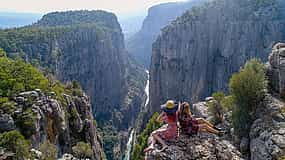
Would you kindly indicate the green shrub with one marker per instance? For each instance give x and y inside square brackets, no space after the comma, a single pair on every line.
[216,108]
[247,88]
[14,142]
[82,150]
[2,53]
[110,139]
[76,85]
[25,121]
[219,106]
[73,113]
[281,158]
[8,107]
[4,100]
[17,76]
[142,138]
[49,151]
[228,103]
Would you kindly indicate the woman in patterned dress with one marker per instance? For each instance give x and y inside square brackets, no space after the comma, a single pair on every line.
[167,131]
[190,125]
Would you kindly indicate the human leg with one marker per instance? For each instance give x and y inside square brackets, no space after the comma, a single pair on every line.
[161,141]
[206,128]
[151,141]
[155,137]
[203,121]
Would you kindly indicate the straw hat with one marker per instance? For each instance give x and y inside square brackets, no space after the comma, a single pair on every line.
[170,107]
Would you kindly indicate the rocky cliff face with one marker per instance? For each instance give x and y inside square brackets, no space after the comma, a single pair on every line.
[158,17]
[267,132]
[266,136]
[61,122]
[86,46]
[202,147]
[196,54]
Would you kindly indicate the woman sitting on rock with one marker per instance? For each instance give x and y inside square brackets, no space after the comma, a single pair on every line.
[190,125]
[167,131]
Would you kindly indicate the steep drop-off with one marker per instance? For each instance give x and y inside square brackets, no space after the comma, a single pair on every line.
[44,110]
[266,135]
[197,53]
[86,46]
[158,17]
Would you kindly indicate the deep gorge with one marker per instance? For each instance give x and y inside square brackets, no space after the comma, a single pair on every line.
[185,55]
[88,47]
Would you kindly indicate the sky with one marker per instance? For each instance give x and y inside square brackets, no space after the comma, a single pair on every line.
[120,7]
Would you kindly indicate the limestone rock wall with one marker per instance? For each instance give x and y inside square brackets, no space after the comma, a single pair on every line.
[197,54]
[267,134]
[61,122]
[140,44]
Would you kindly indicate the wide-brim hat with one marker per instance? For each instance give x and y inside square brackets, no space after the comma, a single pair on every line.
[169,107]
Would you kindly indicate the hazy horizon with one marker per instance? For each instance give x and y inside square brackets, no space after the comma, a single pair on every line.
[122,8]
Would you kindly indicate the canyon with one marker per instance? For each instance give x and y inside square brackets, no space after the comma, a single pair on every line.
[198,52]
[140,44]
[186,54]
[88,47]
[266,134]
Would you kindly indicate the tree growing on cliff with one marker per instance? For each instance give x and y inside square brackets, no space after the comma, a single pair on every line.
[219,106]
[2,53]
[48,150]
[142,138]
[248,89]
[82,150]
[17,76]
[15,142]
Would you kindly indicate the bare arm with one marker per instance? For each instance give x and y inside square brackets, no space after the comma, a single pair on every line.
[159,118]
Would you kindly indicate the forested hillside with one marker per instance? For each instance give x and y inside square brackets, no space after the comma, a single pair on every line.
[88,47]
[38,114]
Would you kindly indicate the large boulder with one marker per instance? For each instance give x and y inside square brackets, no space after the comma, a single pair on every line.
[276,69]
[267,134]
[6,123]
[62,122]
[197,147]
[200,109]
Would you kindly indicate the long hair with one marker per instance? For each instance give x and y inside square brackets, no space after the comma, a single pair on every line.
[185,108]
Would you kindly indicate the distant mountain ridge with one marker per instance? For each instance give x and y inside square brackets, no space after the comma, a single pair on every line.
[131,25]
[158,17]
[16,19]
[99,17]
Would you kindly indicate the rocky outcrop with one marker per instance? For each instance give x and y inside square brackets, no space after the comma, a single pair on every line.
[267,134]
[65,122]
[197,53]
[200,109]
[276,69]
[6,123]
[202,147]
[139,45]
